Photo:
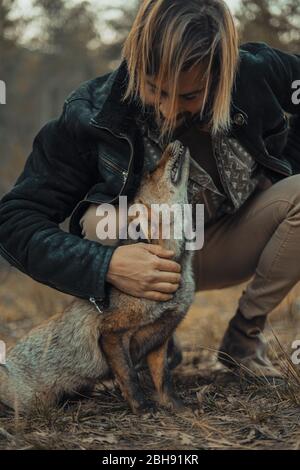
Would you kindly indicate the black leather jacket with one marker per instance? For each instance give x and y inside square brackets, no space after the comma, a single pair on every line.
[93,152]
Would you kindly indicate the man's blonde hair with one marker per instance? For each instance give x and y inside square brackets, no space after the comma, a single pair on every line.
[171,36]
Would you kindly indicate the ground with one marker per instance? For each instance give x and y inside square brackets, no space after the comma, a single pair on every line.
[222,410]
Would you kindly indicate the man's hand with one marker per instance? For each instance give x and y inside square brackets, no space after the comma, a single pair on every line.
[144,270]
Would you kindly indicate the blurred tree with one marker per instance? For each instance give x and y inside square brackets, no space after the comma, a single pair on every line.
[68,57]
[10,54]
[119,24]
[276,22]
[64,49]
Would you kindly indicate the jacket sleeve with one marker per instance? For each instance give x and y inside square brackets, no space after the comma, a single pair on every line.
[56,176]
[283,75]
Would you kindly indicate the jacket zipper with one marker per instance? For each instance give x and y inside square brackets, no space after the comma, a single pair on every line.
[93,300]
[114,166]
[124,172]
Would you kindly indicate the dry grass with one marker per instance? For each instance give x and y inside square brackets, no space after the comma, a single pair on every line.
[223,411]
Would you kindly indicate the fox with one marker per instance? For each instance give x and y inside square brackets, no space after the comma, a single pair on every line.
[71,351]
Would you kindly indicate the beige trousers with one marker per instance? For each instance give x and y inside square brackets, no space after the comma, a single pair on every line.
[260,242]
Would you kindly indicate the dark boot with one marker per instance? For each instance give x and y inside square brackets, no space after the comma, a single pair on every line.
[244,346]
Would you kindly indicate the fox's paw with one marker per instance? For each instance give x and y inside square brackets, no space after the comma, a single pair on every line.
[143,407]
[172,402]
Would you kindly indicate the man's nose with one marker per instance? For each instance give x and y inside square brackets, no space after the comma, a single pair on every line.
[165,110]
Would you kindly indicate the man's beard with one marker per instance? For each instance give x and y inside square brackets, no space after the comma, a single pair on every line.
[156,122]
[185,119]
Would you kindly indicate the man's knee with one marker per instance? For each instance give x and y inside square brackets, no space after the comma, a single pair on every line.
[286,198]
[289,189]
[88,223]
